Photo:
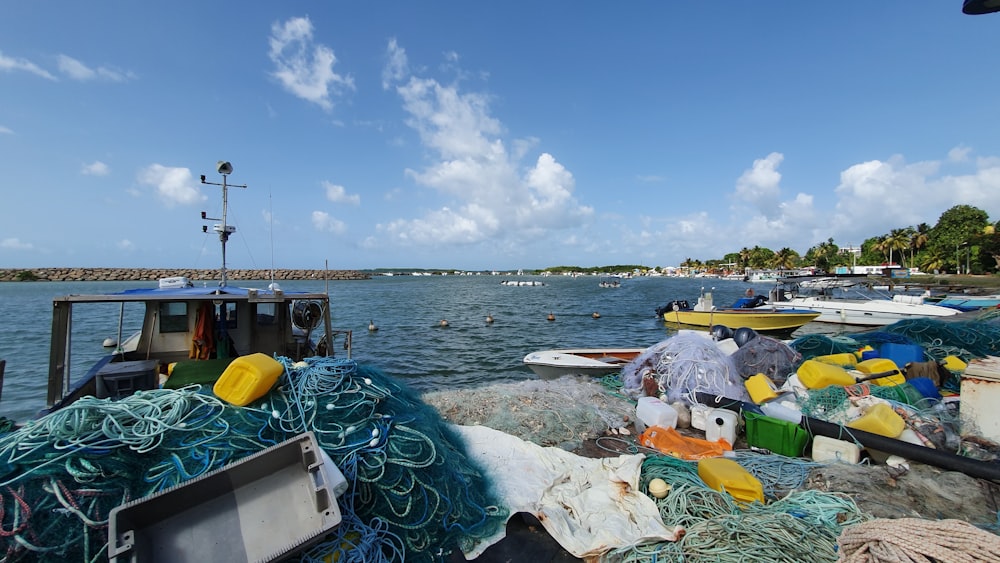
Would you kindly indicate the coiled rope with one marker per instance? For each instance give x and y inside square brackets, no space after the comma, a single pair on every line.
[913,540]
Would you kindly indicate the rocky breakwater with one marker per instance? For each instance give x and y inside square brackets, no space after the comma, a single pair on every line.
[153,274]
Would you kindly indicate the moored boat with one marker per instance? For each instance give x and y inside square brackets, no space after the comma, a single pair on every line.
[761,318]
[861,309]
[188,334]
[550,364]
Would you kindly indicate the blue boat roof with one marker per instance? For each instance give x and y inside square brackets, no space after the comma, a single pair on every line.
[166,293]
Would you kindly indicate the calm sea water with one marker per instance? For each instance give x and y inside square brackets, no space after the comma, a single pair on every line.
[409,344]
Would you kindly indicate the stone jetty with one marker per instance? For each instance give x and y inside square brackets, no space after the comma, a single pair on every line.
[153,274]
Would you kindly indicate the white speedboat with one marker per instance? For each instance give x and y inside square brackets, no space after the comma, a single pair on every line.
[865,311]
[550,364]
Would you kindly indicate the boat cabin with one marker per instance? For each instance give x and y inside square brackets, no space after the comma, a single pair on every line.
[200,329]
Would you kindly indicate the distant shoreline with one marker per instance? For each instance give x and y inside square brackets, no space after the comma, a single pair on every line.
[153,274]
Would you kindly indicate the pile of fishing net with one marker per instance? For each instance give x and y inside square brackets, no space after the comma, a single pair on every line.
[768,356]
[799,526]
[412,493]
[965,339]
[681,366]
[560,412]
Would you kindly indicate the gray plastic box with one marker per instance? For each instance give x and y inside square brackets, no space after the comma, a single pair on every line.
[261,508]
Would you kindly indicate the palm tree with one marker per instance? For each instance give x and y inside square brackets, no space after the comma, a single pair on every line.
[784,259]
[897,239]
[745,255]
[919,238]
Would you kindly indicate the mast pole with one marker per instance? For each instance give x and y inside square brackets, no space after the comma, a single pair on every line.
[224,229]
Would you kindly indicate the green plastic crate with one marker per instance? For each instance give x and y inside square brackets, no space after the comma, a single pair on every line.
[775,435]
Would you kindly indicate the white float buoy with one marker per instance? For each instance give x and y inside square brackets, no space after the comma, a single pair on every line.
[489,319]
[596,315]
[443,323]
[658,488]
[109,343]
[551,317]
[371,326]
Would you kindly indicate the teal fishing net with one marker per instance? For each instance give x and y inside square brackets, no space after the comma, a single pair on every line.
[801,526]
[413,493]
[966,339]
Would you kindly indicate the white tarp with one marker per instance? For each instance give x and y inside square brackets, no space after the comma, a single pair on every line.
[589,506]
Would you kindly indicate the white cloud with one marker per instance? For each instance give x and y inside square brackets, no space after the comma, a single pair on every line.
[16,244]
[396,66]
[174,186]
[304,69]
[96,168]
[322,221]
[5,131]
[9,64]
[487,191]
[79,71]
[126,245]
[338,194]
[959,154]
[760,185]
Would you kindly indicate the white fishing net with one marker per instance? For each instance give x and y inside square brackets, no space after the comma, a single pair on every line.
[559,412]
[681,366]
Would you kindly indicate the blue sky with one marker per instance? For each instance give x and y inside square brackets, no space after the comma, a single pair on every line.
[481,135]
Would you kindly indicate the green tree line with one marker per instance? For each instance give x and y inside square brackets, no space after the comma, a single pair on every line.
[963,240]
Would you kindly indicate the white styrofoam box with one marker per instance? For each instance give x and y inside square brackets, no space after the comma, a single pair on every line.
[825,448]
[721,423]
[980,392]
[650,411]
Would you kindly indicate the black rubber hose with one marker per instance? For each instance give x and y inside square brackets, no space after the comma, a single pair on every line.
[930,456]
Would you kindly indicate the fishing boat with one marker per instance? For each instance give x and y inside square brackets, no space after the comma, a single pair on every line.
[550,364]
[861,308]
[761,319]
[188,334]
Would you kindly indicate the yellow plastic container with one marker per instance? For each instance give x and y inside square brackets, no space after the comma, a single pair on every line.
[725,475]
[954,363]
[248,378]
[761,388]
[846,359]
[818,375]
[880,365]
[880,419]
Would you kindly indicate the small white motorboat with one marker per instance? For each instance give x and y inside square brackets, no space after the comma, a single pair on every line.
[550,364]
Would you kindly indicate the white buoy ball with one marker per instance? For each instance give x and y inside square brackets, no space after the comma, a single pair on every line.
[658,488]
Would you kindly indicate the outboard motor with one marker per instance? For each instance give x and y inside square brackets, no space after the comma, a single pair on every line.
[743,335]
[669,307]
[777,295]
[721,332]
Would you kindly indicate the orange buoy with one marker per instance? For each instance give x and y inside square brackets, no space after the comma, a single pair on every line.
[551,317]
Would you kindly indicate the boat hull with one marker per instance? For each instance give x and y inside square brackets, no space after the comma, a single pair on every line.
[759,319]
[551,364]
[865,312]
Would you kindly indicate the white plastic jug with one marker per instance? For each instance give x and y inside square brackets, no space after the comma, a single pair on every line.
[782,410]
[721,424]
[650,411]
[699,414]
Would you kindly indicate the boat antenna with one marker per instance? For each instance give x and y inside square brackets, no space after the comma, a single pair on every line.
[270,221]
[225,168]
